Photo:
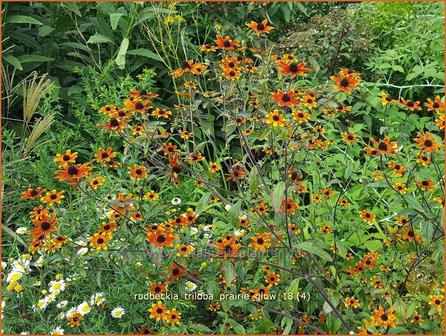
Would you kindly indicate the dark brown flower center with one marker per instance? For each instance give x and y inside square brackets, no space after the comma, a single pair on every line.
[425,183]
[114,122]
[34,193]
[100,240]
[226,44]
[384,317]
[260,26]
[260,241]
[286,97]
[185,65]
[161,239]
[428,143]
[45,226]
[139,105]
[382,146]
[293,67]
[344,82]
[72,171]
[436,105]
[160,310]
[66,157]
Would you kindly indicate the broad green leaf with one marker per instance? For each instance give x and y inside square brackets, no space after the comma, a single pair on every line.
[34,58]
[203,203]
[145,53]
[311,247]
[288,323]
[45,30]
[277,195]
[99,38]
[23,19]
[398,68]
[293,288]
[228,270]
[13,61]
[120,59]
[114,19]
[373,245]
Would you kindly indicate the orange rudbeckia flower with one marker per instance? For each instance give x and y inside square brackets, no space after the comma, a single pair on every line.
[292,69]
[261,27]
[345,83]
[285,98]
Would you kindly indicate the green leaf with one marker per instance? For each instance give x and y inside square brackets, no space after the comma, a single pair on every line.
[288,323]
[99,38]
[145,53]
[45,30]
[23,19]
[398,68]
[13,61]
[238,328]
[293,288]
[203,203]
[120,59]
[114,19]
[311,247]
[277,195]
[373,245]
[228,270]
[34,58]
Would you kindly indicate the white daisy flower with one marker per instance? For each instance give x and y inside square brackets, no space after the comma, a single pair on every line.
[39,262]
[239,233]
[190,286]
[70,312]
[57,331]
[80,243]
[228,207]
[14,276]
[117,312]
[82,251]
[50,298]
[41,304]
[176,201]
[84,308]
[62,304]
[57,286]
[21,230]
[97,299]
